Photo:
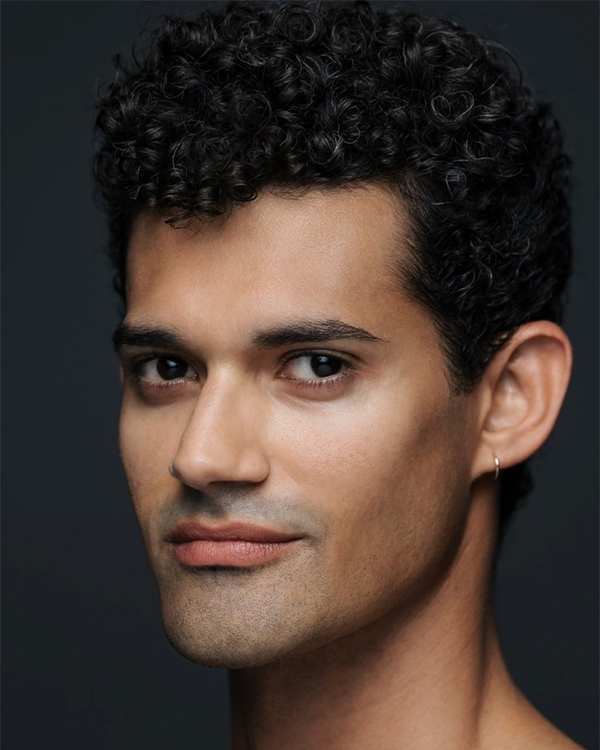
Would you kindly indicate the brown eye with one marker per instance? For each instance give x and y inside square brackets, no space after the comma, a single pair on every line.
[171,369]
[324,365]
[314,367]
[164,369]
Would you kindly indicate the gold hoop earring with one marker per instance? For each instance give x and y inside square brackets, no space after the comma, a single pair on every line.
[497,465]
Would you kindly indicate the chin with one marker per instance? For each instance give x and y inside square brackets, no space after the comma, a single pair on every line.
[236,638]
[235,620]
[225,650]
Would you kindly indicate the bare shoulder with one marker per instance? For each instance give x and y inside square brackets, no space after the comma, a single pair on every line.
[535,737]
[543,735]
[518,725]
[556,740]
[537,733]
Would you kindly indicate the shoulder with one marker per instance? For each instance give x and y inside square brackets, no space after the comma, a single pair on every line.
[517,725]
[537,733]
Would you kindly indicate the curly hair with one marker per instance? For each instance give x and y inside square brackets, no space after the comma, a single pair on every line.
[295,95]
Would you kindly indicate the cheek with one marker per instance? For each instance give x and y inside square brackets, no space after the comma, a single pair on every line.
[147,440]
[390,481]
[362,444]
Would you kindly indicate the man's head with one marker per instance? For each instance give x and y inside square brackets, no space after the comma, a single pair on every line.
[276,171]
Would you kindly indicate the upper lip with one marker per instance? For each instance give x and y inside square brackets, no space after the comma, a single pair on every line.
[191,531]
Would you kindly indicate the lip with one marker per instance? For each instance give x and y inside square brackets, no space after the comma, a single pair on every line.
[233,545]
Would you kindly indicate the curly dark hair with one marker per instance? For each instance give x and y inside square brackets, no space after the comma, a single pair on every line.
[294,95]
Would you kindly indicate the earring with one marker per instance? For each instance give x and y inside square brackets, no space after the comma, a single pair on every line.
[497,465]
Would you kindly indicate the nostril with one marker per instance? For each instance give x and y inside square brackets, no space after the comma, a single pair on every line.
[172,471]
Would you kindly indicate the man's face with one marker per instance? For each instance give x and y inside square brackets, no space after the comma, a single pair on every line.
[275,377]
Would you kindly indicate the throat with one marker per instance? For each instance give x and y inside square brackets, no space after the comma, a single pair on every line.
[380,694]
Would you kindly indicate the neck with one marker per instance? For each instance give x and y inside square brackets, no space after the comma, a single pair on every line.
[428,678]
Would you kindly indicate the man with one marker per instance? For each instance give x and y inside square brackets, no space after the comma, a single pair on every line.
[342,239]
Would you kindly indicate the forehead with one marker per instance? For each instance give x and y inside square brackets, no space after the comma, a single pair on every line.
[326,254]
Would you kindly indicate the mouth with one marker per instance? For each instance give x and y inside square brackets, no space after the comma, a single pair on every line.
[233,545]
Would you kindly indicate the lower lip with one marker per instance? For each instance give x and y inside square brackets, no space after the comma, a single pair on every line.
[238,553]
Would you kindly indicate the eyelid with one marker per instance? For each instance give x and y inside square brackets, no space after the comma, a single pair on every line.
[133,367]
[346,360]
[133,363]
[315,352]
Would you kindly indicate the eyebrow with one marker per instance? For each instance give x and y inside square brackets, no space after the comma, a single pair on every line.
[307,331]
[128,334]
[301,332]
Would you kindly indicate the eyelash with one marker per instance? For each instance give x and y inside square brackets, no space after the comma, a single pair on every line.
[332,381]
[134,368]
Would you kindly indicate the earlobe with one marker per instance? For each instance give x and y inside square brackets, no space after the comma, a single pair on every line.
[524,385]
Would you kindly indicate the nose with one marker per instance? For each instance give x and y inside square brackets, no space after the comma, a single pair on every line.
[222,440]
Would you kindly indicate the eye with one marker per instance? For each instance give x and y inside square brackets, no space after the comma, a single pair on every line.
[164,369]
[314,367]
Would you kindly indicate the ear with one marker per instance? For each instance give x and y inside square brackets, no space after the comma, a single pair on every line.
[521,394]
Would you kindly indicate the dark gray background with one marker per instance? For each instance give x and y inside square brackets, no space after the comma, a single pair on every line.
[85,661]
